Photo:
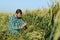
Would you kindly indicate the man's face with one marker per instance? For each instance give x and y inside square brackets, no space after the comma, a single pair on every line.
[18,15]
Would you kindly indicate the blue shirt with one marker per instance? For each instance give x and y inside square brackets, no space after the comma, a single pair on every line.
[14,24]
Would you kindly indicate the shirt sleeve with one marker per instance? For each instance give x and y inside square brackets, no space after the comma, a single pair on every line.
[22,22]
[10,23]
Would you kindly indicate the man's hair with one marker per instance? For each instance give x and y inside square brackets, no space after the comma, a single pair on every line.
[19,11]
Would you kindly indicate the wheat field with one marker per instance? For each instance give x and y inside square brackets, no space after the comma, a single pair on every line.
[42,24]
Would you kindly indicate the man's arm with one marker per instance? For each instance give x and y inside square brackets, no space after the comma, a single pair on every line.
[24,25]
[11,23]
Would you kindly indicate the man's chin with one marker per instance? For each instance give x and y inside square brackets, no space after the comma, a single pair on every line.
[19,17]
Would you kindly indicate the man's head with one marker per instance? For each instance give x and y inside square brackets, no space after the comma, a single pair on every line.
[19,13]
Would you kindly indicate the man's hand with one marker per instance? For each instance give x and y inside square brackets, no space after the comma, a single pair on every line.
[24,25]
[21,27]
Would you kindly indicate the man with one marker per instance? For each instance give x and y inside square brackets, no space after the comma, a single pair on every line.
[16,24]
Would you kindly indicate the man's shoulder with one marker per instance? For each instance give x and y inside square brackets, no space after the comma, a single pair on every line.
[12,17]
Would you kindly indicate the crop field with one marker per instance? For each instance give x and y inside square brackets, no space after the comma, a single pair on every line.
[42,24]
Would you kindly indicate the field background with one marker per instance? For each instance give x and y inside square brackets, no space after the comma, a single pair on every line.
[43,24]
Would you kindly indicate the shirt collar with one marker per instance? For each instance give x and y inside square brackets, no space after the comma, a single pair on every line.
[18,17]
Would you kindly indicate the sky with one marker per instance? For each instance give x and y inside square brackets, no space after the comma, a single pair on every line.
[12,5]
